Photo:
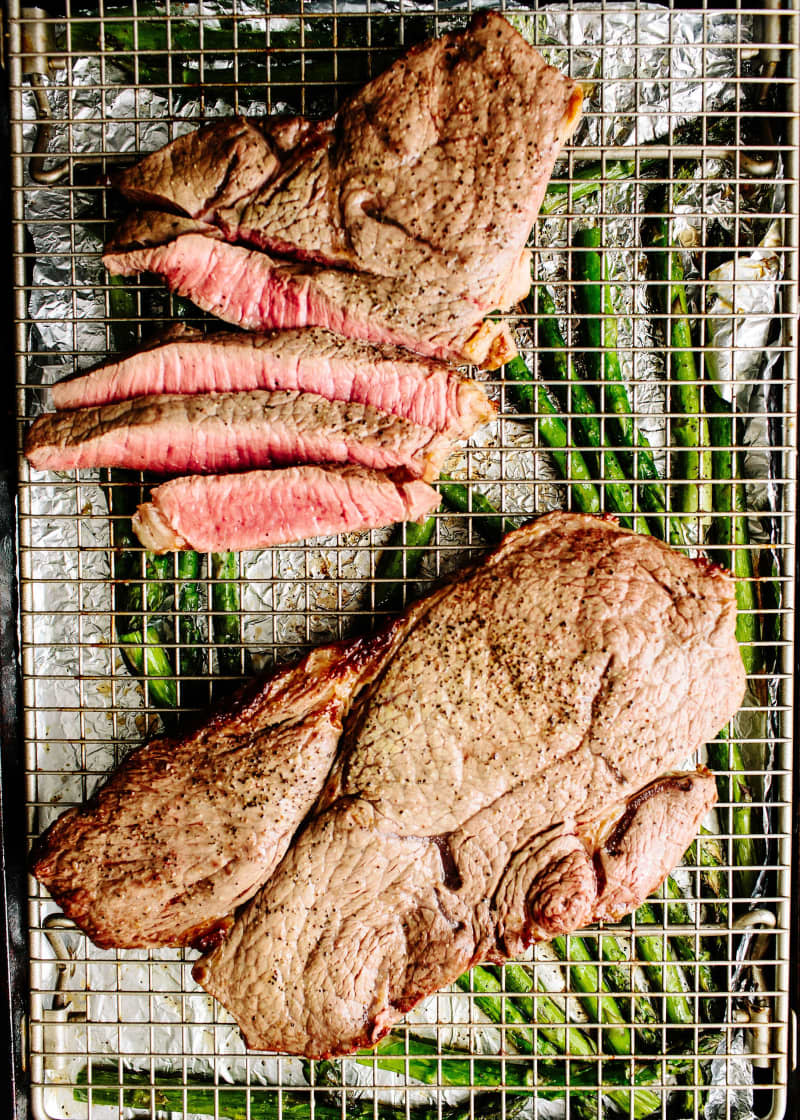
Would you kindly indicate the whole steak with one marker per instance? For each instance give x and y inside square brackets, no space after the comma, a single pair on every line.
[504,777]
[424,185]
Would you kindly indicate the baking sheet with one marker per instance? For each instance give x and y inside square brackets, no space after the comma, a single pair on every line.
[84,711]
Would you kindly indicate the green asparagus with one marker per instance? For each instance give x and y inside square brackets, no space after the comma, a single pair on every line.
[689,428]
[532,398]
[585,978]
[400,559]
[662,969]
[619,974]
[166,1093]
[464,499]
[191,645]
[226,619]
[556,365]
[599,323]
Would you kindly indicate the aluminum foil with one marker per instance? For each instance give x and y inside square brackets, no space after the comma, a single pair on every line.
[68,308]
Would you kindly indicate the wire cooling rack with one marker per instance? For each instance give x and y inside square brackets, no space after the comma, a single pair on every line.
[692,113]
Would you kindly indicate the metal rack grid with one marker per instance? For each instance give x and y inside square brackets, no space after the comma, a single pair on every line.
[91,1009]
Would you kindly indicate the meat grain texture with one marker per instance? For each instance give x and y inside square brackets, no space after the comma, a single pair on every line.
[313,360]
[505,772]
[211,432]
[259,509]
[188,828]
[406,215]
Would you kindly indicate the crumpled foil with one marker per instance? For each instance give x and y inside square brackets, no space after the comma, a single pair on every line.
[68,311]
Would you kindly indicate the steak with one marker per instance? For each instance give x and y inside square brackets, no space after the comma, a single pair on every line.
[504,773]
[211,432]
[505,777]
[211,172]
[430,179]
[189,827]
[258,509]
[253,290]
[316,361]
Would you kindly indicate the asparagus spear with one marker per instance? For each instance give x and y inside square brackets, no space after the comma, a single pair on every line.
[146,657]
[532,398]
[587,180]
[619,974]
[556,364]
[662,970]
[401,558]
[191,652]
[593,296]
[725,758]
[226,621]
[424,1061]
[731,532]
[585,978]
[139,645]
[571,1040]
[689,425]
[487,992]
[169,1095]
[463,499]
[730,527]
[694,955]
[706,852]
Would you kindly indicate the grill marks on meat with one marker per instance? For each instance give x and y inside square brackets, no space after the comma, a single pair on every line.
[410,209]
[314,360]
[258,509]
[232,431]
[562,677]
[188,828]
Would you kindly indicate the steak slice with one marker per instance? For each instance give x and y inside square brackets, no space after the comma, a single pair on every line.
[425,184]
[502,779]
[211,432]
[257,292]
[258,509]
[188,827]
[315,361]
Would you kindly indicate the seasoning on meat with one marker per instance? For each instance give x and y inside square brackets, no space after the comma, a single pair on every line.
[189,827]
[505,772]
[424,187]
[520,723]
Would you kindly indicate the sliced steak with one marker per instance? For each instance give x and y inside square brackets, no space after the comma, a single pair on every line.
[257,292]
[211,432]
[315,361]
[426,184]
[258,509]
[502,779]
[189,827]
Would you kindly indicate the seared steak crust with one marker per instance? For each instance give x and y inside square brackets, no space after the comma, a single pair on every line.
[190,826]
[425,185]
[522,712]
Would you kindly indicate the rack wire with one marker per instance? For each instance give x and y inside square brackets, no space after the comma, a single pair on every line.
[93,86]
